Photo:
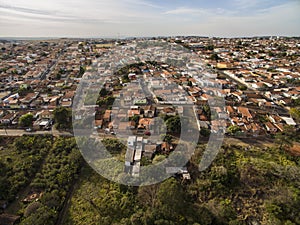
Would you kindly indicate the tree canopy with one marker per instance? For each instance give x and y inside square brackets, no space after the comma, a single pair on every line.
[63,117]
[26,120]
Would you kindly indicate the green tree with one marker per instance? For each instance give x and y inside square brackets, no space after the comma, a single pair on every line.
[135,118]
[43,215]
[174,124]
[103,92]
[295,113]
[81,70]
[167,138]
[171,197]
[234,129]
[113,145]
[205,131]
[207,111]
[285,139]
[63,117]
[215,57]
[26,120]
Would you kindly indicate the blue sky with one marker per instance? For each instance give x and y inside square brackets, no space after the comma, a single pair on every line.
[119,18]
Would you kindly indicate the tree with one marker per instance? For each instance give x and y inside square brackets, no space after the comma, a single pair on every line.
[174,124]
[32,208]
[113,146]
[207,111]
[81,70]
[295,113]
[26,120]
[43,215]
[158,159]
[147,195]
[234,129]
[205,131]
[135,118]
[209,47]
[171,197]
[215,57]
[167,138]
[103,92]
[285,139]
[63,117]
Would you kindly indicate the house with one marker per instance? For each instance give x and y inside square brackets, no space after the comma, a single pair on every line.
[149,150]
[289,121]
[133,112]
[145,123]
[45,114]
[279,126]
[255,129]
[66,100]
[182,171]
[245,113]
[7,119]
[129,156]
[29,98]
[149,111]
[165,147]
[42,124]
[231,111]
[275,119]
[170,111]
[270,128]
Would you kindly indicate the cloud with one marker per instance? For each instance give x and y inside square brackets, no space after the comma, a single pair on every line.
[26,10]
[183,10]
[147,18]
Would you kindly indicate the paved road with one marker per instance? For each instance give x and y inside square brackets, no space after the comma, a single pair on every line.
[20,132]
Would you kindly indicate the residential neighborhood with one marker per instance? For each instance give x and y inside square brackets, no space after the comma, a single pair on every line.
[257,77]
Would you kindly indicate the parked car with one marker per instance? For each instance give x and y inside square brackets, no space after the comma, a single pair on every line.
[29,129]
[147,132]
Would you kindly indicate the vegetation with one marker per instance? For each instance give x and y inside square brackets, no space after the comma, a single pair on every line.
[242,186]
[285,139]
[173,124]
[63,118]
[205,131]
[19,162]
[233,129]
[295,113]
[26,120]
[54,180]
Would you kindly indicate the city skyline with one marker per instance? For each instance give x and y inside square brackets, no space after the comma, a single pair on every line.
[235,18]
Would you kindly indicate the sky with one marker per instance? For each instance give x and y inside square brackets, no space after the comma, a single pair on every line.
[136,18]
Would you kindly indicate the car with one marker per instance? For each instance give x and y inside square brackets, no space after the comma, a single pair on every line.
[113,133]
[28,129]
[147,132]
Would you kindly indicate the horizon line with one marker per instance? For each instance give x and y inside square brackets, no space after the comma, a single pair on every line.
[129,37]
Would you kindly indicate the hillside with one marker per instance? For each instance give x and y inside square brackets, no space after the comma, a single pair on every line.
[44,181]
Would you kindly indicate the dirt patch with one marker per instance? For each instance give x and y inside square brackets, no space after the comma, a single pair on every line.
[257,142]
[295,150]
